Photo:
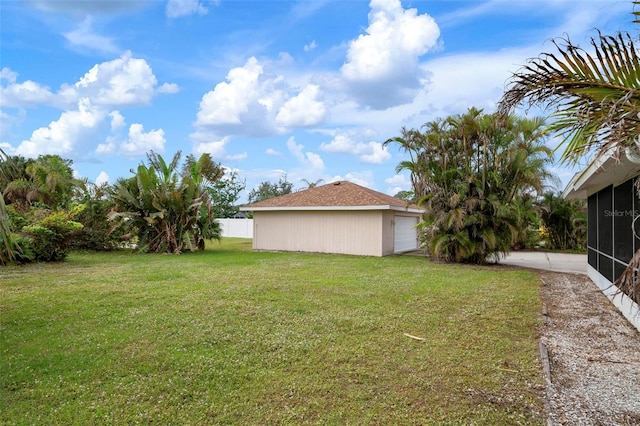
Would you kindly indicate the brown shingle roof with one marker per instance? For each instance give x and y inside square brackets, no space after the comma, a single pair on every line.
[342,194]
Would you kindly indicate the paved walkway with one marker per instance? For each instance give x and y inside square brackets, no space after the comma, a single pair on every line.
[556,262]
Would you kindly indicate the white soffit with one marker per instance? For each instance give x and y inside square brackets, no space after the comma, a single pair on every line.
[604,170]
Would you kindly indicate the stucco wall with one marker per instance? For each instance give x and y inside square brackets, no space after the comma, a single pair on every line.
[346,232]
[387,232]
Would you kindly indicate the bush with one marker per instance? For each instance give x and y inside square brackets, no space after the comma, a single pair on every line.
[97,233]
[47,239]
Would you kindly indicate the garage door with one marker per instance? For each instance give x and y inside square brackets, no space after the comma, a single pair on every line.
[405,234]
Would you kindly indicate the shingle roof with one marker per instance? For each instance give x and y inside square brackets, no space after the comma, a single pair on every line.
[341,195]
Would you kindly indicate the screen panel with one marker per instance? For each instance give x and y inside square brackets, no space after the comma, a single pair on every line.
[605,220]
[592,221]
[618,269]
[636,212]
[605,266]
[592,258]
[622,215]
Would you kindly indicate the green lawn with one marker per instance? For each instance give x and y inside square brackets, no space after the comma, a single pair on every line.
[231,336]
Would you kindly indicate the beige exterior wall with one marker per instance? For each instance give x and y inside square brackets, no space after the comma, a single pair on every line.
[367,233]
[346,232]
[387,232]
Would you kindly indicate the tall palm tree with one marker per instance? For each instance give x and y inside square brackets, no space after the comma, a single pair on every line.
[596,95]
[472,173]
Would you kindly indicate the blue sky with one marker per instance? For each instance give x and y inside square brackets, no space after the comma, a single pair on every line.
[310,89]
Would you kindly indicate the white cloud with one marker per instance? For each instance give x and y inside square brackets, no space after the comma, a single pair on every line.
[117,121]
[140,142]
[311,46]
[103,177]
[253,102]
[65,135]
[473,79]
[8,75]
[271,151]
[360,178]
[27,93]
[381,69]
[372,152]
[206,142]
[311,167]
[230,99]
[303,109]
[169,88]
[178,8]
[397,183]
[109,147]
[123,81]
[84,37]
[7,148]
[311,161]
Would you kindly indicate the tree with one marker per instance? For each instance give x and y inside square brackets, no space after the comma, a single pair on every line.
[563,222]
[408,196]
[168,211]
[596,97]
[267,190]
[474,173]
[225,193]
[9,171]
[48,180]
[98,232]
[312,184]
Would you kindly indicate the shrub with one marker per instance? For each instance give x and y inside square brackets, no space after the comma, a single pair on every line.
[97,233]
[48,238]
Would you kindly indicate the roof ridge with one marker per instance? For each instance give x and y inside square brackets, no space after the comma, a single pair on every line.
[333,194]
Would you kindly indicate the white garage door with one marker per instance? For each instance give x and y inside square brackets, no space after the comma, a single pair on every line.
[405,234]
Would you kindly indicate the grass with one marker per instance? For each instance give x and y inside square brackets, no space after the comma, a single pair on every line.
[231,336]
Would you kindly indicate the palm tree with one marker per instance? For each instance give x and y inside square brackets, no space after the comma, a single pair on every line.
[474,174]
[168,211]
[8,247]
[312,184]
[596,96]
[48,180]
[563,221]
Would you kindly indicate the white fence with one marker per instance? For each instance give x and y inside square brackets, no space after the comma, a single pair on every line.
[236,228]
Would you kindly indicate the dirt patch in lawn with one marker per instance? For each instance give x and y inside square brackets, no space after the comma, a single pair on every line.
[593,352]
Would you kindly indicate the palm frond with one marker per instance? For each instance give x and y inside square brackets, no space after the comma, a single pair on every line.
[596,95]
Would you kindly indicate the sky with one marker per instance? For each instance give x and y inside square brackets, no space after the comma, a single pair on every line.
[307,89]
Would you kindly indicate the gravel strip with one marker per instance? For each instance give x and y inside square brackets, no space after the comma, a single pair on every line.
[594,355]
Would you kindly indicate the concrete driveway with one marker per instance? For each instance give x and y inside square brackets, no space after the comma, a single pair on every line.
[556,262]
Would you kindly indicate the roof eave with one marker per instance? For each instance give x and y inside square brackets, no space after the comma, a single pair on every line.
[407,209]
[592,178]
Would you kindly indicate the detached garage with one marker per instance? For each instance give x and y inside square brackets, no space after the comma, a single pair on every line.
[340,217]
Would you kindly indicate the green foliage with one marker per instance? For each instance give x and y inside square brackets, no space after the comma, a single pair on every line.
[10,248]
[267,190]
[594,94]
[224,194]
[167,211]
[564,222]
[48,237]
[47,181]
[474,174]
[97,233]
